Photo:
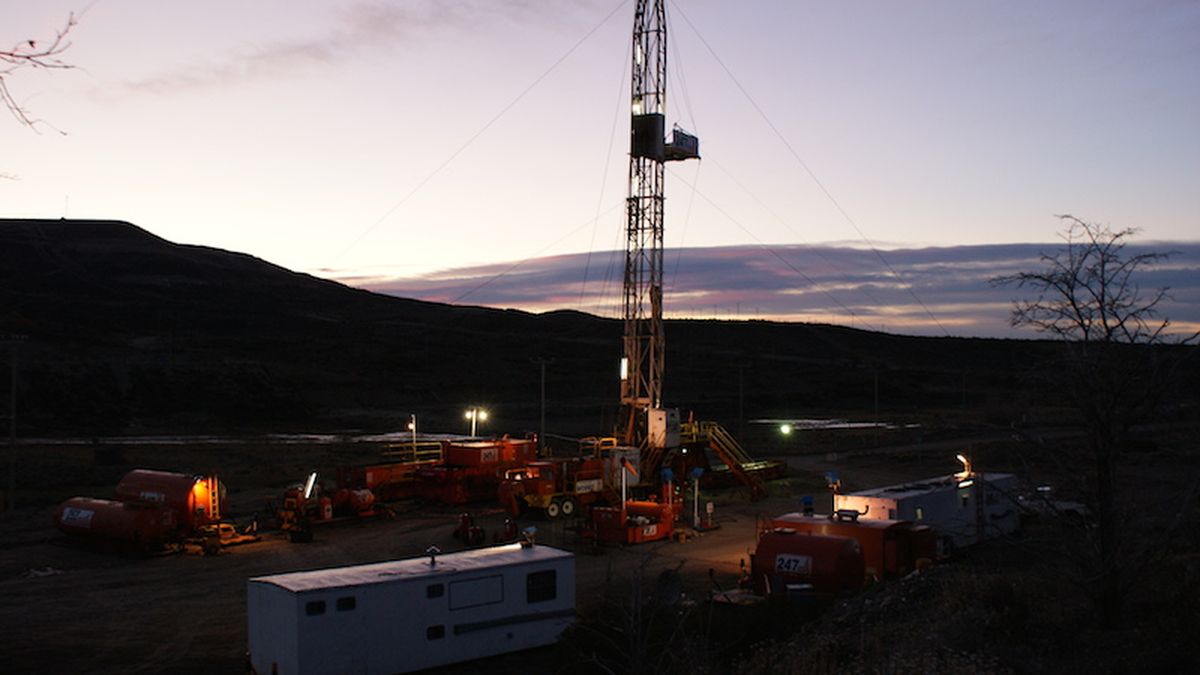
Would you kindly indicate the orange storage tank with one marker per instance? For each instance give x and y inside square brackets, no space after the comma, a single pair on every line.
[193,499]
[784,557]
[145,527]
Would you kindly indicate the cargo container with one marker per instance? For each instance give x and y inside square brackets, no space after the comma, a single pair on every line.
[406,615]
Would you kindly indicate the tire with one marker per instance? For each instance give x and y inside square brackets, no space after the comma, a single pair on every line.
[568,508]
[553,509]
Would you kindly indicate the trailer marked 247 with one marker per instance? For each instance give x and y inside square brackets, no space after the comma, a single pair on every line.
[406,615]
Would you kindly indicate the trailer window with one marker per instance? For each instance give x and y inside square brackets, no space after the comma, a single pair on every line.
[541,586]
[435,591]
[315,607]
[476,592]
[435,632]
[346,604]
[920,513]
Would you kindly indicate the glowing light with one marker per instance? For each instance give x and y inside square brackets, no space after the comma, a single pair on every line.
[966,472]
[624,368]
[785,429]
[310,484]
[475,415]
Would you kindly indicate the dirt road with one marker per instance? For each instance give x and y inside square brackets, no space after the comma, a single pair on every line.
[71,609]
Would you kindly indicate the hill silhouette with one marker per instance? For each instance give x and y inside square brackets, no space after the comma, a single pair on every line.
[125,331]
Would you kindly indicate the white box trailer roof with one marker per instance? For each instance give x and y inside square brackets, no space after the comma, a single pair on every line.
[963,511]
[405,615]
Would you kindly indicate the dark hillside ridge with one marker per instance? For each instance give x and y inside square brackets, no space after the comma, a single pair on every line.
[127,332]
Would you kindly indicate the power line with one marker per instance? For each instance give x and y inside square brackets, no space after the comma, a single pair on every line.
[817,251]
[687,105]
[612,135]
[765,246]
[545,248]
[811,174]
[480,132]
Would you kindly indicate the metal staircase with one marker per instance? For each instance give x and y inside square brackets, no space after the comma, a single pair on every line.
[731,452]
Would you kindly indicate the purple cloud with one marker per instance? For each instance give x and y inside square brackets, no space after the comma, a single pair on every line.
[356,27]
[938,290]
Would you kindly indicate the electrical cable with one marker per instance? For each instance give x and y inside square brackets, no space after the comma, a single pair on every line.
[518,263]
[687,105]
[766,247]
[812,175]
[612,134]
[816,251]
[480,132]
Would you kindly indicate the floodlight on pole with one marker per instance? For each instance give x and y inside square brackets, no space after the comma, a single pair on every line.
[476,415]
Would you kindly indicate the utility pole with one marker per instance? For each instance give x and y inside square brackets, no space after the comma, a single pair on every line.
[643,342]
[542,416]
[741,400]
[12,341]
[876,407]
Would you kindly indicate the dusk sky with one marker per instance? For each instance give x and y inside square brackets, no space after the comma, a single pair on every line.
[370,141]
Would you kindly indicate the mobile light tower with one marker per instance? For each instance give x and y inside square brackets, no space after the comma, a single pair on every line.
[644,347]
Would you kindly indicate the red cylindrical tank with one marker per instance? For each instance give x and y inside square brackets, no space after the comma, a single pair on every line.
[190,497]
[143,526]
[784,556]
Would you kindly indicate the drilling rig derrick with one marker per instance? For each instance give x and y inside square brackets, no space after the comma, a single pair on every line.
[644,346]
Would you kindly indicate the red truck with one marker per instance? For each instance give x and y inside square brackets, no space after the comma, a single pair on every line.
[556,487]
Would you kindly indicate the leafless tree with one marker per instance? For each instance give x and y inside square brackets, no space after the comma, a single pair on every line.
[33,54]
[1112,372]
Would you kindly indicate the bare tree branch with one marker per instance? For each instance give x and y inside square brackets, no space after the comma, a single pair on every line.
[33,54]
[1088,297]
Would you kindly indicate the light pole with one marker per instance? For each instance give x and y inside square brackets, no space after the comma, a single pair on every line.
[476,415]
[13,341]
[412,426]
[542,419]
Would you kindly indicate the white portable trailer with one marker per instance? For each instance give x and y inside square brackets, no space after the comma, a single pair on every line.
[963,509]
[406,615]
